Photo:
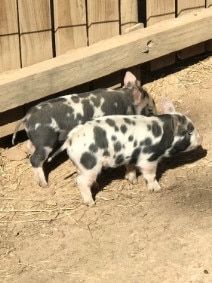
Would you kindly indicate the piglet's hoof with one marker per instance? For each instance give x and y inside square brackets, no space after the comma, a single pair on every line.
[154,187]
[90,203]
[132,179]
[43,184]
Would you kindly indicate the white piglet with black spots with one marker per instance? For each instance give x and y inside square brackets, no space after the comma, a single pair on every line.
[135,141]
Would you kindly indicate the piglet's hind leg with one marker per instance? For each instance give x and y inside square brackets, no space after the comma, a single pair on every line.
[84,182]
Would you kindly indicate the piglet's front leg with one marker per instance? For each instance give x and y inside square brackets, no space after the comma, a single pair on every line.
[131,174]
[40,177]
[149,173]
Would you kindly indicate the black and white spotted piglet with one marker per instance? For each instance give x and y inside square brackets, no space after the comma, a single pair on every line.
[51,121]
[132,140]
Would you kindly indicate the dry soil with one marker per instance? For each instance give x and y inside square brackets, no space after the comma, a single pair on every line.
[131,235]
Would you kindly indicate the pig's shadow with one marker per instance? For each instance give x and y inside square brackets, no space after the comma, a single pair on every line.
[57,161]
[107,176]
[180,160]
[111,174]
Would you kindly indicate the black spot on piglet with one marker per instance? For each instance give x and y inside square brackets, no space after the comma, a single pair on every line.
[106,153]
[119,159]
[110,122]
[123,129]
[100,137]
[117,146]
[88,160]
[93,148]
[75,99]
[156,129]
[130,138]
[135,155]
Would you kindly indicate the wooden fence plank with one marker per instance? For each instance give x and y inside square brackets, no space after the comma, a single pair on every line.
[35,31]
[157,11]
[208,44]
[129,14]
[70,24]
[88,63]
[208,3]
[103,23]
[184,7]
[9,39]
[103,19]
[187,6]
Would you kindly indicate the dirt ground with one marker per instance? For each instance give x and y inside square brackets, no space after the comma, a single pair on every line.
[131,235]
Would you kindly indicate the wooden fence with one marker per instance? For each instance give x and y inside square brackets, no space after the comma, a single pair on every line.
[32,31]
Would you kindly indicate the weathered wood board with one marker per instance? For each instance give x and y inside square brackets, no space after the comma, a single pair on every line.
[103,23]
[88,63]
[103,19]
[129,14]
[129,22]
[35,31]
[157,11]
[208,3]
[9,38]
[70,25]
[190,6]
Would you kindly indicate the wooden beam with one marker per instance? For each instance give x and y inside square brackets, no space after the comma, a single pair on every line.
[100,59]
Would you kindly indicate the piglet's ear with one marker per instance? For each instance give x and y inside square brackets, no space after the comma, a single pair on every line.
[129,79]
[167,106]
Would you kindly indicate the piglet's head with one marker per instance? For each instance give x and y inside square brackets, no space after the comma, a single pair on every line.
[186,136]
[141,100]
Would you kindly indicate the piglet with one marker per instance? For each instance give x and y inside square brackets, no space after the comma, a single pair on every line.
[135,141]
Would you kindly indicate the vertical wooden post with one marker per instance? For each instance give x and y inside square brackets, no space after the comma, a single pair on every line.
[70,25]
[186,6]
[35,31]
[9,38]
[157,11]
